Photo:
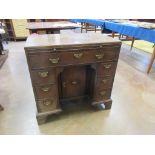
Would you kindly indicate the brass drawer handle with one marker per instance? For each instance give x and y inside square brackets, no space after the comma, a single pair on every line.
[47,102]
[99,56]
[78,55]
[45,89]
[54,61]
[74,82]
[107,66]
[43,74]
[102,93]
[104,81]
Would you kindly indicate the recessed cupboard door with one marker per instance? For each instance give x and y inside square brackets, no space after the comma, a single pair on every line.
[73,80]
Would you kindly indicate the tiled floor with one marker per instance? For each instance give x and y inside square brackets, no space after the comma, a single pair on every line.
[133,110]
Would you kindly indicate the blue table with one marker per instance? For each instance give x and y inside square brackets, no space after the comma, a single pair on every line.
[136,32]
[127,29]
[131,30]
[123,28]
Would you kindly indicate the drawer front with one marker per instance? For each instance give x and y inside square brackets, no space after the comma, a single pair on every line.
[86,57]
[111,53]
[102,94]
[104,83]
[47,59]
[45,91]
[43,60]
[106,69]
[43,76]
[47,104]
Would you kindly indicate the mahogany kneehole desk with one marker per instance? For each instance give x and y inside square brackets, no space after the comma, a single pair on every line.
[66,67]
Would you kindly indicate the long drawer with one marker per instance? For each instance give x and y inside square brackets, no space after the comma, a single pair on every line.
[43,59]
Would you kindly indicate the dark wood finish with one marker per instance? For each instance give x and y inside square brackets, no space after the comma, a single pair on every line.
[45,58]
[106,69]
[50,27]
[104,82]
[43,76]
[70,69]
[73,85]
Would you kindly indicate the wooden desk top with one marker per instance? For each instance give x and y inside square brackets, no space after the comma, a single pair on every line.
[55,40]
[51,25]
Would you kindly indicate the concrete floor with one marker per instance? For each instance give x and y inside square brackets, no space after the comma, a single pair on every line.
[133,109]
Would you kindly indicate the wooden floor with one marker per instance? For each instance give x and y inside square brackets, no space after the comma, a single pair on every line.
[133,109]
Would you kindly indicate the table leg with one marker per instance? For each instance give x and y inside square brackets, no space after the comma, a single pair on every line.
[151,61]
[133,39]
[113,34]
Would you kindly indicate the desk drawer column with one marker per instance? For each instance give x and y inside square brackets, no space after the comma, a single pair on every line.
[103,83]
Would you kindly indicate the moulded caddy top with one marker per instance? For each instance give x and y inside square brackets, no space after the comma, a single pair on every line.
[57,40]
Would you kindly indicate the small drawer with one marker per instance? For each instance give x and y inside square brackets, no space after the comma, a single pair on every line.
[44,59]
[106,69]
[45,91]
[104,83]
[102,94]
[111,53]
[47,105]
[43,76]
